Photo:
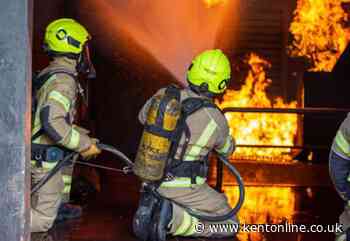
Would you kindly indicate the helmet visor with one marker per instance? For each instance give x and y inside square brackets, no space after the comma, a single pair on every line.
[85,65]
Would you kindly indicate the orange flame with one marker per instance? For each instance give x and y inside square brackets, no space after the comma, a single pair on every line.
[263,205]
[213,3]
[259,128]
[319,34]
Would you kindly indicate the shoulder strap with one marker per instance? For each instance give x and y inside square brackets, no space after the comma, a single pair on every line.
[188,107]
[41,79]
[173,91]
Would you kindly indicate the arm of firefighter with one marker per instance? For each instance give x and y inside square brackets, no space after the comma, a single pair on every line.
[225,143]
[144,111]
[55,116]
[342,139]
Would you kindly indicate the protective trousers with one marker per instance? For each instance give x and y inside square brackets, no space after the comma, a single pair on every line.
[46,201]
[339,169]
[201,198]
[67,174]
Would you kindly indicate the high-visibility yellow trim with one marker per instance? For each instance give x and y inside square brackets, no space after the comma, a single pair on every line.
[227,146]
[67,179]
[342,143]
[190,158]
[49,165]
[340,237]
[73,142]
[57,96]
[185,225]
[195,150]
[183,182]
[66,189]
[192,229]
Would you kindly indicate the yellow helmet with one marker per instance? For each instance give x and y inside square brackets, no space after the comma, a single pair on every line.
[66,36]
[211,68]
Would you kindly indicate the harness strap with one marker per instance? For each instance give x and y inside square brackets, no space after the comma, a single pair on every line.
[178,167]
[191,170]
[189,107]
[48,153]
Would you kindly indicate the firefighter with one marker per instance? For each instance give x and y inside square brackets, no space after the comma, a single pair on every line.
[208,77]
[339,169]
[53,132]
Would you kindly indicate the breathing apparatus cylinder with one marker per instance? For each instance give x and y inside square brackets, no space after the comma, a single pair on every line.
[156,141]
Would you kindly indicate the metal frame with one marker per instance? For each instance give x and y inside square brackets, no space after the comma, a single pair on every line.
[300,111]
[309,110]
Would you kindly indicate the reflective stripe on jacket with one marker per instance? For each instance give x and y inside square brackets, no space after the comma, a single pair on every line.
[341,142]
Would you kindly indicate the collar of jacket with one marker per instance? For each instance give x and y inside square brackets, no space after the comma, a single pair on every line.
[191,93]
[64,62]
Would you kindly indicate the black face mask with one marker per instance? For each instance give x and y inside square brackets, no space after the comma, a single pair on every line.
[85,65]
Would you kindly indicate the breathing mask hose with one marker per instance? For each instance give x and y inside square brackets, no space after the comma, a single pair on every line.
[234,210]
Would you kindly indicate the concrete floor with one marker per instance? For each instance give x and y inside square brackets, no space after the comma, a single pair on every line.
[112,222]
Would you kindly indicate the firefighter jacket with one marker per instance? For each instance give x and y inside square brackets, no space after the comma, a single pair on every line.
[56,109]
[341,142]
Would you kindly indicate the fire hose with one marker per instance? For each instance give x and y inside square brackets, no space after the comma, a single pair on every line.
[205,217]
[72,157]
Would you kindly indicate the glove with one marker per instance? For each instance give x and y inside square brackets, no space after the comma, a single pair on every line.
[91,152]
[95,141]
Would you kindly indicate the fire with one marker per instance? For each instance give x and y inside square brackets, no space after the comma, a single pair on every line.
[259,128]
[213,3]
[263,205]
[319,34]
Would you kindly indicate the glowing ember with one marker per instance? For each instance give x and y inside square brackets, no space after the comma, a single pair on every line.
[259,128]
[318,32]
[213,3]
[271,205]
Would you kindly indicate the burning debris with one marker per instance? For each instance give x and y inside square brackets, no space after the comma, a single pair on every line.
[319,32]
[278,207]
[260,128]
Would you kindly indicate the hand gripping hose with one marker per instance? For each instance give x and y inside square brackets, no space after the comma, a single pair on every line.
[72,157]
[220,218]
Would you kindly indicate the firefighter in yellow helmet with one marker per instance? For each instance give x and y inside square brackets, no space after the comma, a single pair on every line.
[184,179]
[53,134]
[339,169]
